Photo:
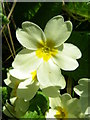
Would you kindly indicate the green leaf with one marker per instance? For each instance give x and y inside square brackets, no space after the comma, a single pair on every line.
[79,9]
[0,7]
[0,93]
[29,10]
[5,93]
[31,115]
[80,39]
[38,106]
[4,19]
[40,103]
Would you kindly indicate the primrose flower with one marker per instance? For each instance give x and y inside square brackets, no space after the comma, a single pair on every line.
[63,107]
[27,88]
[22,88]
[18,106]
[83,91]
[16,109]
[46,51]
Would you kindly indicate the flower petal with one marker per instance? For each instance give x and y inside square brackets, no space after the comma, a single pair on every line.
[21,105]
[82,88]
[65,62]
[51,91]
[50,114]
[27,89]
[84,103]
[49,74]
[57,30]
[30,35]
[70,116]
[72,51]
[19,74]
[26,61]
[65,97]
[8,110]
[11,81]
[73,106]
[87,112]
[54,102]
[78,90]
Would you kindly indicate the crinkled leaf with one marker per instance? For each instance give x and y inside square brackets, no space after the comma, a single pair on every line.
[79,8]
[33,115]
[5,93]
[40,103]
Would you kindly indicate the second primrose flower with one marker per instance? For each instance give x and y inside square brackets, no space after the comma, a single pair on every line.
[27,88]
[46,51]
[83,91]
[62,107]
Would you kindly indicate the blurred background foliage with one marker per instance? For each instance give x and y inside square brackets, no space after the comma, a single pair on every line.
[13,14]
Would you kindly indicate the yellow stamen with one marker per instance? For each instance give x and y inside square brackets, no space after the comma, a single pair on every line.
[61,113]
[46,51]
[34,75]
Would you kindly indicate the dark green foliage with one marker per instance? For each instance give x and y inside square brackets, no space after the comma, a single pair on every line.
[38,106]
[80,10]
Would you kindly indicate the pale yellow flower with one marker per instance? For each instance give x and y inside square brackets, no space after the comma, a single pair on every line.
[46,51]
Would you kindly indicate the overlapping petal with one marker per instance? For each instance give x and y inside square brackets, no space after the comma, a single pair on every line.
[19,74]
[26,61]
[83,91]
[11,81]
[49,74]
[64,106]
[21,105]
[30,35]
[51,91]
[54,102]
[82,88]
[57,30]
[73,106]
[27,89]
[17,108]
[71,51]
[50,114]
[8,110]
[65,62]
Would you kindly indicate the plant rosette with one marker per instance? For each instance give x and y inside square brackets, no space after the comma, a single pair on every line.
[46,51]
[63,107]
[83,91]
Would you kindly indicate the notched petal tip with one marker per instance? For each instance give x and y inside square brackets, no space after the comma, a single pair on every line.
[69,25]
[17,32]
[80,54]
[58,17]
[26,22]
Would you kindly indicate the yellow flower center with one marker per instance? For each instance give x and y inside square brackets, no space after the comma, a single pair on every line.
[34,75]
[61,113]
[46,51]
